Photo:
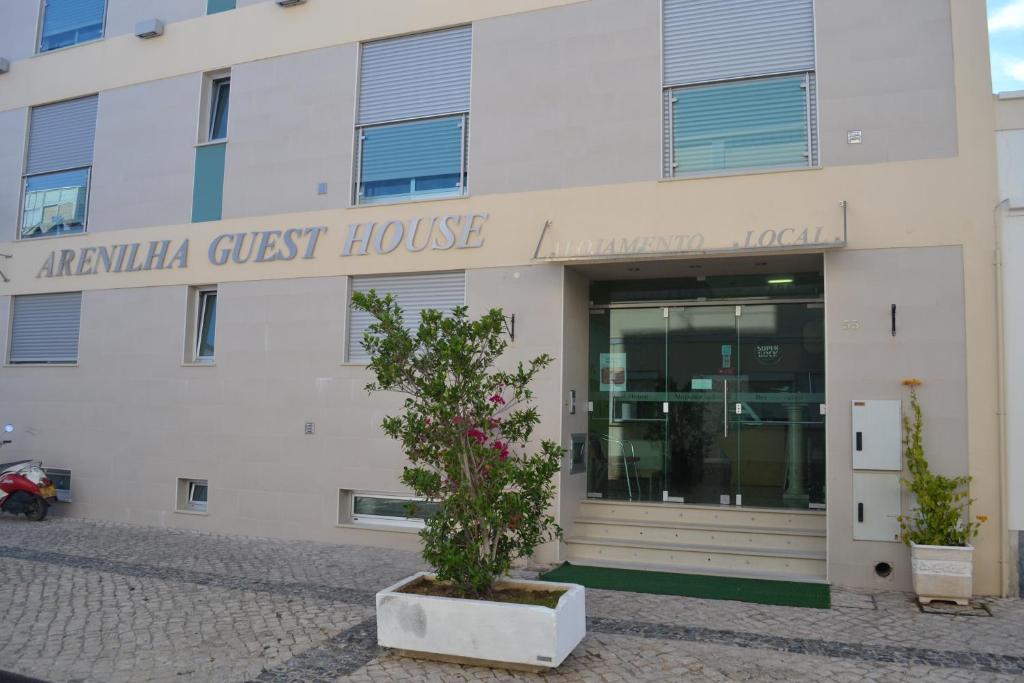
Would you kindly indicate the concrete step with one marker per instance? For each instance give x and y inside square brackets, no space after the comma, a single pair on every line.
[704,534]
[679,513]
[697,557]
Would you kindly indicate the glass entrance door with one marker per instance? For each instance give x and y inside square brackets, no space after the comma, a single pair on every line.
[626,443]
[702,462]
[708,404]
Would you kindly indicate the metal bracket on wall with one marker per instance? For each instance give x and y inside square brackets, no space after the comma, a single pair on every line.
[510,326]
[3,276]
[893,311]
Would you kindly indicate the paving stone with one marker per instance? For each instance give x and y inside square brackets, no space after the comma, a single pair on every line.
[94,601]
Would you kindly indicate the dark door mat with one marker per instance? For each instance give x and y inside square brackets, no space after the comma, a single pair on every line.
[763,592]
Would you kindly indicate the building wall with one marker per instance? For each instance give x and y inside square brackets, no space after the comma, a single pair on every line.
[281,334]
[291,129]
[865,361]
[886,69]
[13,137]
[135,125]
[122,15]
[585,87]
[1010,151]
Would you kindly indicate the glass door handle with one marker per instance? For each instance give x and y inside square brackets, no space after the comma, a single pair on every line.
[725,407]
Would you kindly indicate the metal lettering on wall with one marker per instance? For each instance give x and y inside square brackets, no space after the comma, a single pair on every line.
[462,231]
[681,244]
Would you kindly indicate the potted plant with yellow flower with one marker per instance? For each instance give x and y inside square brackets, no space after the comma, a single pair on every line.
[938,529]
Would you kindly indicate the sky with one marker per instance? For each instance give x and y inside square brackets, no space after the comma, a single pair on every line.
[1006,39]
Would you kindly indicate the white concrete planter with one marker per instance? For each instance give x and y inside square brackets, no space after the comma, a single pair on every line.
[942,572]
[481,632]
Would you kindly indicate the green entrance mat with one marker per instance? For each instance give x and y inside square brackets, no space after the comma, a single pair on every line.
[764,592]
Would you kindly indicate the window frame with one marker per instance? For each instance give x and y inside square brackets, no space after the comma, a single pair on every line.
[381,520]
[41,22]
[191,504]
[358,198]
[202,296]
[669,137]
[19,226]
[217,85]
[9,362]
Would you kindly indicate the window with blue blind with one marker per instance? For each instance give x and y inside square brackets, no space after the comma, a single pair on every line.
[413,160]
[413,117]
[739,85]
[742,124]
[58,166]
[69,22]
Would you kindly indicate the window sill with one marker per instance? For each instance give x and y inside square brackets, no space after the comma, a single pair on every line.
[212,143]
[352,364]
[37,53]
[366,526]
[409,200]
[19,238]
[40,365]
[728,173]
[198,364]
[192,512]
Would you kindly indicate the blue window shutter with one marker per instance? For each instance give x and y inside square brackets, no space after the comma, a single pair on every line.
[215,6]
[412,158]
[714,40]
[413,294]
[741,124]
[62,135]
[45,328]
[67,22]
[208,189]
[426,74]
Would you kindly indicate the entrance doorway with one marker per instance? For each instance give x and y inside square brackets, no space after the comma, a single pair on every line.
[708,403]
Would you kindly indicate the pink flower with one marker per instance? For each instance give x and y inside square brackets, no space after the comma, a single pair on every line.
[495,422]
[497,400]
[477,435]
[502,448]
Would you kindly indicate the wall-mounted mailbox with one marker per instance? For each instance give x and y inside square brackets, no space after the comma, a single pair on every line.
[877,436]
[876,506]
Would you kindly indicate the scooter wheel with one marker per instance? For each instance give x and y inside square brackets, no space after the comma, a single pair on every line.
[37,509]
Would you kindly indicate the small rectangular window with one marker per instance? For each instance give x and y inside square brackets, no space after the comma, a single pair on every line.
[205,326]
[45,328]
[385,508]
[197,495]
[220,99]
[192,495]
[69,22]
[61,479]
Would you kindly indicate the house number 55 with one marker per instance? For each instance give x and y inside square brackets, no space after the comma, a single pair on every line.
[850,325]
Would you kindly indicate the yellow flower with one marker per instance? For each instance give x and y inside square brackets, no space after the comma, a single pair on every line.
[982,518]
[912,382]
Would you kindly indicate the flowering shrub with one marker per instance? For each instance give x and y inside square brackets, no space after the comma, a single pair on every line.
[942,502]
[465,428]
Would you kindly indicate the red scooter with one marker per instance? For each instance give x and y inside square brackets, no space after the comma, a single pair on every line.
[24,486]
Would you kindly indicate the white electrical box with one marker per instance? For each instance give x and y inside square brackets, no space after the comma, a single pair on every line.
[877,436]
[876,506]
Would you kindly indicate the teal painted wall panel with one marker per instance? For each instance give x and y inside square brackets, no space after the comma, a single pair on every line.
[208,191]
[214,6]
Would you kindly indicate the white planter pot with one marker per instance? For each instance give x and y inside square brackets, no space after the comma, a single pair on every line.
[942,572]
[481,632]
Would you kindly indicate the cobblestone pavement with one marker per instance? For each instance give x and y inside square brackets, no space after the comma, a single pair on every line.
[94,601]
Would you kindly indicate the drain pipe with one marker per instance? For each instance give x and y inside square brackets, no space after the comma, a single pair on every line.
[1004,508]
